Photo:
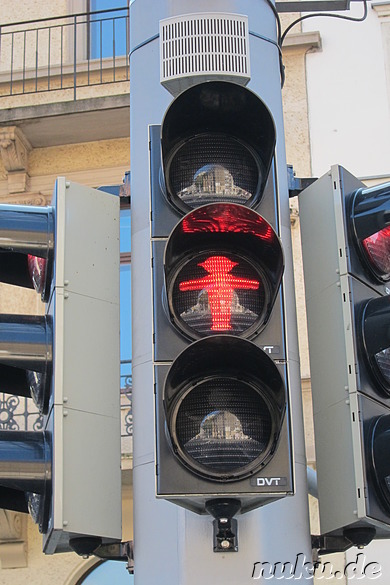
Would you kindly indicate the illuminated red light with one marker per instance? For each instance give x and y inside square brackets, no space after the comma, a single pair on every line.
[37,268]
[227,219]
[377,248]
[220,285]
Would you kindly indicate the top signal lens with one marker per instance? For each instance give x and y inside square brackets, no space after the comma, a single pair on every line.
[370,215]
[217,142]
[211,168]
[377,248]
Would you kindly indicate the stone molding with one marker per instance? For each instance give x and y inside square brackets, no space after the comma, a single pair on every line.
[13,540]
[382,9]
[27,199]
[303,40]
[14,151]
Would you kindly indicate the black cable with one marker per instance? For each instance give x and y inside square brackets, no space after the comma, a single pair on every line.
[279,39]
[353,19]
[278,23]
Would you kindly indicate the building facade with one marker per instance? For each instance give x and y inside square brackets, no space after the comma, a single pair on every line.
[64,110]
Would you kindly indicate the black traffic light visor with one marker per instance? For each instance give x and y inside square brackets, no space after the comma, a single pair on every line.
[370,215]
[27,247]
[227,254]
[219,134]
[224,400]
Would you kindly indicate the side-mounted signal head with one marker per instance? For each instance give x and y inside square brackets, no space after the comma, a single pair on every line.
[27,247]
[223,266]
[370,216]
[26,341]
[218,141]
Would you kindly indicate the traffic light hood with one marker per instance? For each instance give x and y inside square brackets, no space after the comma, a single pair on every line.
[216,125]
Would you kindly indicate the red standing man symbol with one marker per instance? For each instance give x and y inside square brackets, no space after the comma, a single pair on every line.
[220,285]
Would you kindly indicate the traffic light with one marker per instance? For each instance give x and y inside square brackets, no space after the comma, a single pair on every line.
[67,475]
[346,252]
[223,433]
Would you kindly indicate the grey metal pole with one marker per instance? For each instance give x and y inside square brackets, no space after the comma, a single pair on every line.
[171,545]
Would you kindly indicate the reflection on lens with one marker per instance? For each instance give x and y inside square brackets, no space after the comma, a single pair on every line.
[223,425]
[383,361]
[37,268]
[212,167]
[212,182]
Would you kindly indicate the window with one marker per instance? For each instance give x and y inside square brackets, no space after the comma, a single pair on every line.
[108,31]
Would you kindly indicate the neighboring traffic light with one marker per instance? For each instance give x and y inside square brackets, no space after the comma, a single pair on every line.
[346,250]
[222,404]
[67,474]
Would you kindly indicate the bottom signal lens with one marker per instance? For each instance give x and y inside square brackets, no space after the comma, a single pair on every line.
[223,426]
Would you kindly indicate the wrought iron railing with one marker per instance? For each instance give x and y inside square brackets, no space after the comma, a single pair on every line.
[19,414]
[64,53]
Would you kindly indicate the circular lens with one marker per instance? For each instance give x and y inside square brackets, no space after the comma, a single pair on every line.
[223,427]
[213,167]
[377,248]
[376,341]
[218,294]
[380,448]
[37,268]
[39,383]
[382,359]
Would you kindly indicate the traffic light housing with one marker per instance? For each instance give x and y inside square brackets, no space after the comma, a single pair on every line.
[345,245]
[68,473]
[223,427]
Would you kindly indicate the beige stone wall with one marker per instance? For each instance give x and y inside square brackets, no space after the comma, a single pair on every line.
[90,163]
[31,10]
[41,569]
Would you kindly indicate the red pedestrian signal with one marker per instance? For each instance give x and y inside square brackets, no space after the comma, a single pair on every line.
[219,286]
[223,267]
[223,420]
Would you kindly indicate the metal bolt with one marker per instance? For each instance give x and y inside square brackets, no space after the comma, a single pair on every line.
[225,544]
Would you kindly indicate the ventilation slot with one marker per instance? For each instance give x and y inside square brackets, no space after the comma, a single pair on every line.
[200,47]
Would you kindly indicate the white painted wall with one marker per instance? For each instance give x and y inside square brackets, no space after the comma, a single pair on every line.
[349,114]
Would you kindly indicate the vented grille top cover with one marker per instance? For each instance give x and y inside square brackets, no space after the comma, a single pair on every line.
[202,47]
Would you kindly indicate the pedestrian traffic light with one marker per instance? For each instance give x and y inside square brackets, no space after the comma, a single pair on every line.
[346,245]
[223,430]
[67,474]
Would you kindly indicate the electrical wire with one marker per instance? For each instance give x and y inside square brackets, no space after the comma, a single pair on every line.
[279,39]
[341,16]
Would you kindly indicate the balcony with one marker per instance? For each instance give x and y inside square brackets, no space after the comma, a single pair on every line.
[65,80]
